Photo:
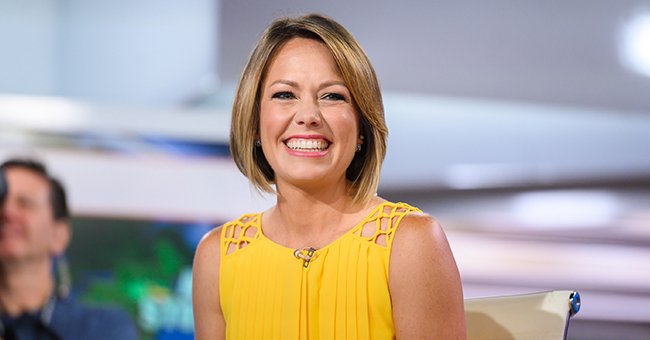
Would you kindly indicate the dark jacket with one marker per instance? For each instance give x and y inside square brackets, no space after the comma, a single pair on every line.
[69,320]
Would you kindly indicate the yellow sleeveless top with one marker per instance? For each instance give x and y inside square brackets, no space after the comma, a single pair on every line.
[340,291]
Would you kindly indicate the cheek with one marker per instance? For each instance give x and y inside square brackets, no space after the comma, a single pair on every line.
[263,129]
[266,130]
[263,113]
[269,119]
[349,123]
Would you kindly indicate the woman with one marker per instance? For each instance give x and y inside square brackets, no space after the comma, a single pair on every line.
[330,259]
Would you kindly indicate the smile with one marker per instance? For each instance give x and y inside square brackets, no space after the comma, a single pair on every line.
[307,145]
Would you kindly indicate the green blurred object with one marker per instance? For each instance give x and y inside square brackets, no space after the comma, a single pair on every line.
[127,262]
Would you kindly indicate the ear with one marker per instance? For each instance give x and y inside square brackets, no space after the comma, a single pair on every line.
[360,139]
[60,238]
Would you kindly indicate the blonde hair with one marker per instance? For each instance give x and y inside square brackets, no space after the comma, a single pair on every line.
[360,78]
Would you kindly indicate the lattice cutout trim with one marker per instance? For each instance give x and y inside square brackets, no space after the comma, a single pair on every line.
[240,233]
[380,226]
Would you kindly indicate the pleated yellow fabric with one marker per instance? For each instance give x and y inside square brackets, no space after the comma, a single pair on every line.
[341,293]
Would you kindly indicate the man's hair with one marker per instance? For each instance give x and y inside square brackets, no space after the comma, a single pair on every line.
[57,192]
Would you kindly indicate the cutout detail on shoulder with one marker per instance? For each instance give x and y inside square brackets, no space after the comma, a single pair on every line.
[240,233]
[380,226]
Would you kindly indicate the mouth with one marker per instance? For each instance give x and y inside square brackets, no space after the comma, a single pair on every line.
[307,144]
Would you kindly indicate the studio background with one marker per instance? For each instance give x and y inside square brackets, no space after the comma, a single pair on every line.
[523,126]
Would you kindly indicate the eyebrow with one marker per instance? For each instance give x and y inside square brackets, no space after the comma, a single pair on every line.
[295,84]
[286,82]
[331,83]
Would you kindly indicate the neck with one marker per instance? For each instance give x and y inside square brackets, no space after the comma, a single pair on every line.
[311,218]
[25,287]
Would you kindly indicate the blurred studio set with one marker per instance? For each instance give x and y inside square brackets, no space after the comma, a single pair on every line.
[522,126]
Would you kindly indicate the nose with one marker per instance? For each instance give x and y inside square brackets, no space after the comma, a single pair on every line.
[308,114]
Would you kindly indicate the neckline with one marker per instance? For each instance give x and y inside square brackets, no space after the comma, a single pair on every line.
[335,241]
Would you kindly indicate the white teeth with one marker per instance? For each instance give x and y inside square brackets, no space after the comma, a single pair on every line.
[307,144]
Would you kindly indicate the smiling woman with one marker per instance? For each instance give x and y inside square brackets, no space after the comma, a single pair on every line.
[353,71]
[308,123]
[330,259]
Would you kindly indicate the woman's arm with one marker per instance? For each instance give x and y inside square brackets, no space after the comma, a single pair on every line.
[424,282]
[208,318]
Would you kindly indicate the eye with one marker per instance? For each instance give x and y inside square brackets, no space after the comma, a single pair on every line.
[333,96]
[25,203]
[283,95]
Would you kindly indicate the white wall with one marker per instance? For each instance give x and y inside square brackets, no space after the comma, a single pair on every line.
[134,53]
[28,33]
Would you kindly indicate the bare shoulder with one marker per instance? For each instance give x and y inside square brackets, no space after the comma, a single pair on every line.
[208,255]
[208,318]
[424,281]
[420,241]
[207,259]
[418,220]
[418,228]
[210,244]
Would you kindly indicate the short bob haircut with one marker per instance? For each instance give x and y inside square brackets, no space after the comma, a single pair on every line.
[360,78]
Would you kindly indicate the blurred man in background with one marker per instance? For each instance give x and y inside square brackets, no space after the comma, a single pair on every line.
[34,233]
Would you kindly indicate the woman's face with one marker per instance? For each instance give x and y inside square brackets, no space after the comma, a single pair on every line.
[308,125]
